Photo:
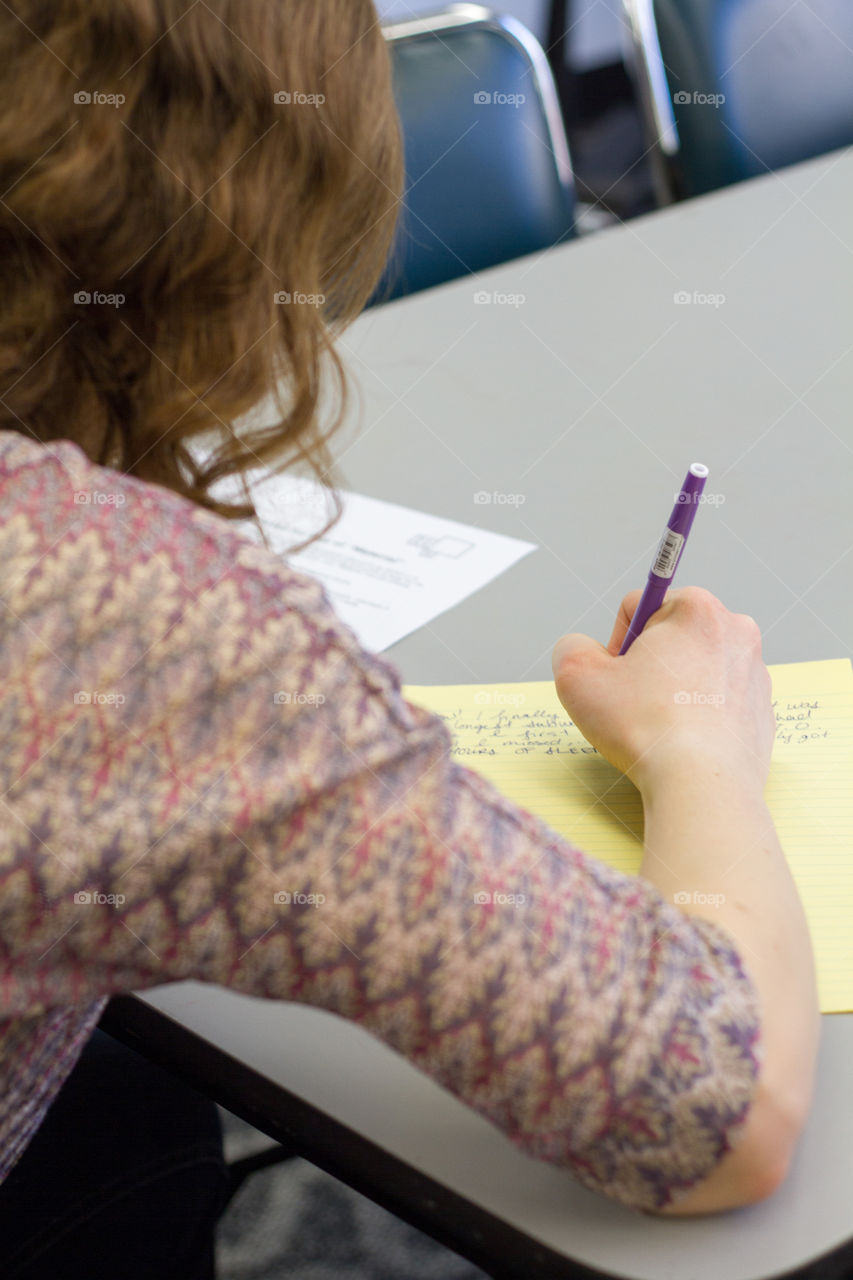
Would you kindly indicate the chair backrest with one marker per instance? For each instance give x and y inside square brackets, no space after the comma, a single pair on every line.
[734,88]
[488,176]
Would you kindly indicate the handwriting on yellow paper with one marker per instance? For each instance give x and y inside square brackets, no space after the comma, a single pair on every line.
[520,738]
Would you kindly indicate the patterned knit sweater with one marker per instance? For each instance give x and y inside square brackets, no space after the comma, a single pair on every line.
[204,776]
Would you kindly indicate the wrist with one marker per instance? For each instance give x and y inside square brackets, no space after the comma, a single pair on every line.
[688,763]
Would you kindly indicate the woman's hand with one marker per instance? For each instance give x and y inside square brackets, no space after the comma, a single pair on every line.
[693,681]
[686,713]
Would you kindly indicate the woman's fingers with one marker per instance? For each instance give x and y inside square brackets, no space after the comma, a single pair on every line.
[626,612]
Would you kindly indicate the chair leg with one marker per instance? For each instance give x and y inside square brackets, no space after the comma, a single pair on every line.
[556,47]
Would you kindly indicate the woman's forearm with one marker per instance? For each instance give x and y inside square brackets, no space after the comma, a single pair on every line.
[711,847]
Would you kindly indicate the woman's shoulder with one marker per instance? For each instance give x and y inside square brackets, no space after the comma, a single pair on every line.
[136,564]
[68,499]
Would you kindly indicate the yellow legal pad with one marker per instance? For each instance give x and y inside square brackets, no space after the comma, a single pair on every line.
[519,737]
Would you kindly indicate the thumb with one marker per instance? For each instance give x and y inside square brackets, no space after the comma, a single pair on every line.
[575,659]
[573,655]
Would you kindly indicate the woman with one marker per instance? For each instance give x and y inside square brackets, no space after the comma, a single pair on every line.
[167,169]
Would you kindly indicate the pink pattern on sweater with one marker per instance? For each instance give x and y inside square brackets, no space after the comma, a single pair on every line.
[167,817]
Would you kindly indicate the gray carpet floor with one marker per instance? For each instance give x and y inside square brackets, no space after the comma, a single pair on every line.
[293,1222]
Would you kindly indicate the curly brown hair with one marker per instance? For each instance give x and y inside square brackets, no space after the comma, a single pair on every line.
[195,197]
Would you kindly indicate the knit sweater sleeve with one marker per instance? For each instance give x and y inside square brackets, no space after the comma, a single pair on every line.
[204,776]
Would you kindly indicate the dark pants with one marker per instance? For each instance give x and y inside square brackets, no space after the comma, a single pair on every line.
[125,1178]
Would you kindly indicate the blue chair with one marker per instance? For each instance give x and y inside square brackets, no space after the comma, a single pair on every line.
[488,176]
[733,88]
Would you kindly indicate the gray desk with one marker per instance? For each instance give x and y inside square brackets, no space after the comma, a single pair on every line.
[589,400]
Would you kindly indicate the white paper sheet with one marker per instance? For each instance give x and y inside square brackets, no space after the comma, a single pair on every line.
[387,569]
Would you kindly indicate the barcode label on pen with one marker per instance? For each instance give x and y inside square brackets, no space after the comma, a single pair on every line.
[668,553]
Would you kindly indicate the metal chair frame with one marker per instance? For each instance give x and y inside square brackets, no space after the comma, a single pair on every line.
[644,59]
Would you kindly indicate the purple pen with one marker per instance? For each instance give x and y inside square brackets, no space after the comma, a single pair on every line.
[669,552]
